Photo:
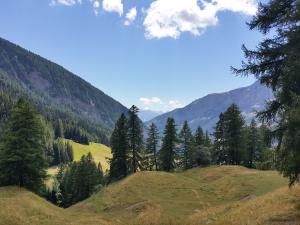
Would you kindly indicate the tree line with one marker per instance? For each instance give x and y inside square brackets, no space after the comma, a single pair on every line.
[231,143]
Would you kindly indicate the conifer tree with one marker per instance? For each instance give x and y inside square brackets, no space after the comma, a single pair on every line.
[186,146]
[119,150]
[152,146]
[275,63]
[169,150]
[254,144]
[22,158]
[219,148]
[234,135]
[135,139]
[229,142]
[199,136]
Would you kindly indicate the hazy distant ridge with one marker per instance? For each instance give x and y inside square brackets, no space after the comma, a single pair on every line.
[205,111]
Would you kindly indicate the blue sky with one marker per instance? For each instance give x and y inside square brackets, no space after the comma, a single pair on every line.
[155,54]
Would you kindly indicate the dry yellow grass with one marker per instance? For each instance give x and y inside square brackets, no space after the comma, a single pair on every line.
[213,195]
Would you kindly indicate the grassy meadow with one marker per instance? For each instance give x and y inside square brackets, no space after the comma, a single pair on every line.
[212,195]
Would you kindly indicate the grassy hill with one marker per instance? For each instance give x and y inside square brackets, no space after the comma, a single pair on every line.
[214,195]
[99,152]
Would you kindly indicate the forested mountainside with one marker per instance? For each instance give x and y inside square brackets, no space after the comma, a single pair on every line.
[55,92]
[205,111]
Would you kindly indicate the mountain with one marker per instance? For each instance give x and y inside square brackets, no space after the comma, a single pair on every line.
[56,92]
[205,111]
[146,115]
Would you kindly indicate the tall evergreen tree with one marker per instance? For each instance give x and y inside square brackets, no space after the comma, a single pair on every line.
[135,138]
[169,150]
[186,146]
[229,143]
[152,146]
[207,141]
[199,136]
[275,63]
[234,135]
[254,144]
[119,150]
[22,158]
[219,149]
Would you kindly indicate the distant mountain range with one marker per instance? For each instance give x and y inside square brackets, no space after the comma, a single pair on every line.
[205,111]
[146,115]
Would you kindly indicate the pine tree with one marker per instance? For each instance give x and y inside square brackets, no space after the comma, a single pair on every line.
[152,146]
[199,136]
[234,135]
[254,144]
[219,148]
[207,141]
[135,139]
[22,158]
[119,150]
[186,146]
[169,150]
[275,63]
[229,142]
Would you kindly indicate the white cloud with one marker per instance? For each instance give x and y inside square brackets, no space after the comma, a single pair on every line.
[96,5]
[175,104]
[157,104]
[147,101]
[67,2]
[64,2]
[113,6]
[169,18]
[130,16]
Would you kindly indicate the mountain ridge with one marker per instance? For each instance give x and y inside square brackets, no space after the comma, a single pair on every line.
[205,111]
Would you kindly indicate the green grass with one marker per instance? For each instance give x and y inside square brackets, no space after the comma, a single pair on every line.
[99,152]
[212,195]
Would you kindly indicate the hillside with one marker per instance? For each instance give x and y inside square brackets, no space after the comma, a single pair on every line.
[214,195]
[205,111]
[56,92]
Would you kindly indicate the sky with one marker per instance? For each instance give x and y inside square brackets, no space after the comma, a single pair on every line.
[155,54]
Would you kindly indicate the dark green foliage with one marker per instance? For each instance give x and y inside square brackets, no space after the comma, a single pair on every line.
[199,136]
[62,152]
[229,143]
[22,159]
[219,146]
[275,63]
[77,182]
[135,139]
[59,129]
[152,147]
[119,149]
[186,151]
[254,149]
[207,141]
[169,150]
[201,156]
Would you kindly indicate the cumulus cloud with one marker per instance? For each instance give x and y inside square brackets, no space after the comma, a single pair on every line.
[96,5]
[113,6]
[130,16]
[157,104]
[175,104]
[169,18]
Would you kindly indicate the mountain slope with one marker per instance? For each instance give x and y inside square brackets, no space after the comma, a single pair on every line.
[48,85]
[205,111]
